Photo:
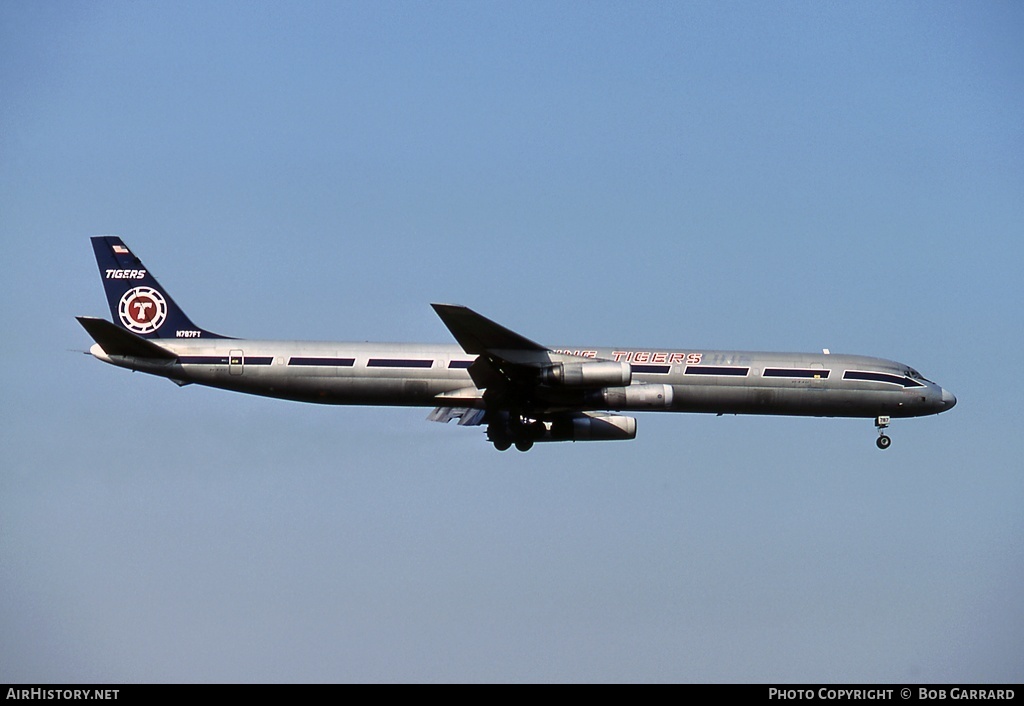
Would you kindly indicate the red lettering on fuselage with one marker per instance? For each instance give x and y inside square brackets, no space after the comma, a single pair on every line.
[578,354]
[661,357]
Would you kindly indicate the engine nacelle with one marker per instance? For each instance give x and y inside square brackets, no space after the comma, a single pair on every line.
[581,426]
[602,373]
[591,426]
[641,396]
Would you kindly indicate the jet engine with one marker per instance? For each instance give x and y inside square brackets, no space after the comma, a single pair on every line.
[603,373]
[639,396]
[583,426]
[592,426]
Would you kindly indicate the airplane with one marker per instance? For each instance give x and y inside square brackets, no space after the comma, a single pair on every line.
[524,392]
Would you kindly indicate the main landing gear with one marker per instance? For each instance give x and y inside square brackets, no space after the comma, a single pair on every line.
[518,430]
[504,444]
[883,441]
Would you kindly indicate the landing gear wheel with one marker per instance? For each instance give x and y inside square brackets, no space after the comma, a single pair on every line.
[881,423]
[503,444]
[524,445]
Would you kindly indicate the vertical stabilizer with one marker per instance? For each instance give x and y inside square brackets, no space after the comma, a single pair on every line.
[137,301]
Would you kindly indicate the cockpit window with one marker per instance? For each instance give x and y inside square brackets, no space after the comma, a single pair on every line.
[911,373]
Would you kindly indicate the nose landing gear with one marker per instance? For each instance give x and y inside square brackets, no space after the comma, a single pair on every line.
[883,441]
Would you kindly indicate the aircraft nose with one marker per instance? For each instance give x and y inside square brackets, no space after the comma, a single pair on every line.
[948,398]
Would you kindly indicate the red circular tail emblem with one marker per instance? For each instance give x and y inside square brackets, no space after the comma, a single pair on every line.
[142,310]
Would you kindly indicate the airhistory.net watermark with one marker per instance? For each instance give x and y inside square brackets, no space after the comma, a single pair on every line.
[62,694]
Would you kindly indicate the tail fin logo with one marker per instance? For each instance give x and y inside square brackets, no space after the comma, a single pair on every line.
[142,310]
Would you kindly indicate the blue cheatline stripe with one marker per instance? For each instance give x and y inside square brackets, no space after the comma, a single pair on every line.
[460,364]
[880,377]
[328,362]
[795,373]
[715,370]
[203,360]
[662,369]
[258,361]
[398,363]
[223,360]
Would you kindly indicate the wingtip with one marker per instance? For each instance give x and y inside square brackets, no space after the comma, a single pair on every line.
[444,310]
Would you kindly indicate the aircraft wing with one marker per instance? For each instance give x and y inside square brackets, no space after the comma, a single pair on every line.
[507,364]
[504,358]
[478,335]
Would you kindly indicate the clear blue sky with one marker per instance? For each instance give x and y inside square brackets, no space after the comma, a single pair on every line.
[785,176]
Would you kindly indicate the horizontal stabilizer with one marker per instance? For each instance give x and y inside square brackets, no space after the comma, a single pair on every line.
[114,340]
